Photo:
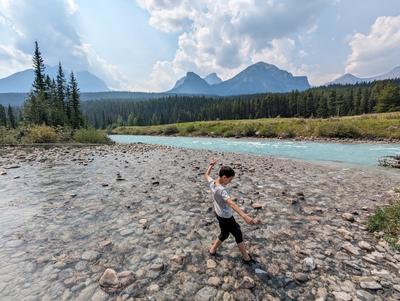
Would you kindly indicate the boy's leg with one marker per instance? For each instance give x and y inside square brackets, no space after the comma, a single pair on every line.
[215,246]
[237,233]
[243,250]
[222,236]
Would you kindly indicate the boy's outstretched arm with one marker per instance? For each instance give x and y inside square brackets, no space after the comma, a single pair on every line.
[208,171]
[239,211]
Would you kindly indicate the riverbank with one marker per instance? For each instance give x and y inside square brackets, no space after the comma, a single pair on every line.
[369,127]
[70,213]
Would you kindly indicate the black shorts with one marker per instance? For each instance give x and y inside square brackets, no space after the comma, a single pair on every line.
[229,225]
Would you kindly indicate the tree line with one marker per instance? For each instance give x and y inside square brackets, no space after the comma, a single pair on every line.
[321,102]
[52,102]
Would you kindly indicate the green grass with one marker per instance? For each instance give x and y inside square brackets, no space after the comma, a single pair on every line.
[387,220]
[370,126]
[45,134]
[91,136]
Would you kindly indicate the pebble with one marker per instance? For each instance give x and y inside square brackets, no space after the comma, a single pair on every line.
[247,283]
[214,281]
[372,285]
[351,249]
[348,217]
[365,246]
[90,255]
[211,264]
[207,293]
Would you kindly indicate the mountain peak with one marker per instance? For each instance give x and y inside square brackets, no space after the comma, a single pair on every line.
[212,79]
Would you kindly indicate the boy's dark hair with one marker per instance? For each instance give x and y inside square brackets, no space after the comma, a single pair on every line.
[226,171]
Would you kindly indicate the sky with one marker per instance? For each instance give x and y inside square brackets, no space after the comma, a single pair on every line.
[146,45]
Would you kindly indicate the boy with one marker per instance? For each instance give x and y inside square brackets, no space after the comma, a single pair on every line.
[223,206]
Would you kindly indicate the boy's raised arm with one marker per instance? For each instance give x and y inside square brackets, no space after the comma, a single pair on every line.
[208,171]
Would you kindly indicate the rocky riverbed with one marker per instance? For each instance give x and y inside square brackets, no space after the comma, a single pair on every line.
[144,214]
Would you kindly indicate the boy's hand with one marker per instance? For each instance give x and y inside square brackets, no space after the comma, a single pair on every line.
[213,162]
[249,220]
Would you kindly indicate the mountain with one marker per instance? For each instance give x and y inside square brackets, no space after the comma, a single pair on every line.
[350,79]
[21,82]
[258,78]
[191,84]
[261,78]
[212,79]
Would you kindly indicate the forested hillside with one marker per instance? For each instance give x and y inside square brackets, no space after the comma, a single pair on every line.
[322,102]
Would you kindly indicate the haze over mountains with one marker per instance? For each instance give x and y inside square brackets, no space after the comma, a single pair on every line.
[21,82]
[257,78]
[350,79]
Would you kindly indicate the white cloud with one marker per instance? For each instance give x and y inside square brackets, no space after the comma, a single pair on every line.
[12,60]
[52,24]
[377,52]
[226,36]
[71,6]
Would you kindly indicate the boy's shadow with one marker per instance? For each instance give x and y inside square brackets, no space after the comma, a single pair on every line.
[279,285]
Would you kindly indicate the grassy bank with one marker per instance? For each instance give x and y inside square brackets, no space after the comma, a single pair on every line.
[387,220]
[46,134]
[371,126]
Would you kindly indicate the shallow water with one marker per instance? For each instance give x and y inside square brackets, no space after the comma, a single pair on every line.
[365,154]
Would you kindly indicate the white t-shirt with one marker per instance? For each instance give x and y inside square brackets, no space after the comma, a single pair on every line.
[220,196]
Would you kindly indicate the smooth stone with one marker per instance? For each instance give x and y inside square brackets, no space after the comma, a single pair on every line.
[342,296]
[348,217]
[86,293]
[364,295]
[309,264]
[256,205]
[153,288]
[211,264]
[99,295]
[301,277]
[206,293]
[372,285]
[90,255]
[109,278]
[351,249]
[214,281]
[365,246]
[126,232]
[247,283]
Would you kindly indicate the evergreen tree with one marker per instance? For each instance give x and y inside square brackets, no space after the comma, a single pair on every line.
[61,93]
[3,116]
[11,118]
[388,99]
[39,69]
[76,119]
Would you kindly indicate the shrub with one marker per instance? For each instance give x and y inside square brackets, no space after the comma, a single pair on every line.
[190,129]
[91,136]
[170,130]
[229,133]
[338,130]
[8,136]
[248,131]
[42,134]
[387,219]
[268,132]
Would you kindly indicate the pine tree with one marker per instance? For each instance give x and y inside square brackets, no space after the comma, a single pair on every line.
[11,118]
[39,69]
[61,93]
[3,116]
[76,119]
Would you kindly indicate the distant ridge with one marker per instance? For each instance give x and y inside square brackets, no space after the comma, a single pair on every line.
[350,79]
[21,82]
